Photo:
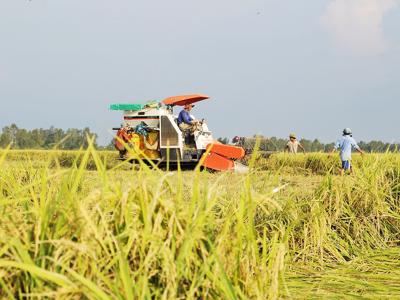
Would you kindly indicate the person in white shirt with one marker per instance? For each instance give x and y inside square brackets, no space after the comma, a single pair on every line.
[293,145]
[346,144]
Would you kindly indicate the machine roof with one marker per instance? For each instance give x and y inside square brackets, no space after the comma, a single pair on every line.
[184,99]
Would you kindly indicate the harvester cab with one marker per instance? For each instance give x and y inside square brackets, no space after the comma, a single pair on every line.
[150,132]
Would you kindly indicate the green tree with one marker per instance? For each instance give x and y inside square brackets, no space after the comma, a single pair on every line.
[23,139]
[38,136]
[9,136]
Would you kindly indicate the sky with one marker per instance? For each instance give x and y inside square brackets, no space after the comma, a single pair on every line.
[271,67]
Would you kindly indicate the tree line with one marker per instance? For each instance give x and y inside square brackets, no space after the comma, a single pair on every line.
[69,139]
[74,138]
[278,144]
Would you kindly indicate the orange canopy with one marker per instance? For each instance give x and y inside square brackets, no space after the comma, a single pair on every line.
[185,99]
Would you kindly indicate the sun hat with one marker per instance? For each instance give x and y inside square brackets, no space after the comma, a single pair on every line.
[347,131]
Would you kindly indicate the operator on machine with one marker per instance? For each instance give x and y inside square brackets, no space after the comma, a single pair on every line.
[185,121]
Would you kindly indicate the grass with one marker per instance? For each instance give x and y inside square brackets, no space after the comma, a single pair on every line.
[374,275]
[90,227]
[59,158]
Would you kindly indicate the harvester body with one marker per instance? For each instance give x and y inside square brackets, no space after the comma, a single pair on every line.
[151,133]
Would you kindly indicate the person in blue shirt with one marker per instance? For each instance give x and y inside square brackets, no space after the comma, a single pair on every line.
[346,144]
[185,120]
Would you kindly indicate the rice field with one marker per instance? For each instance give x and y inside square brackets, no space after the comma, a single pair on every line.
[80,225]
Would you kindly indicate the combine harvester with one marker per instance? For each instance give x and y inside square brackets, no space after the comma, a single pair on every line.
[150,132]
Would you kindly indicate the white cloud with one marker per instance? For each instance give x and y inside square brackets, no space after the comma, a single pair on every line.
[357,25]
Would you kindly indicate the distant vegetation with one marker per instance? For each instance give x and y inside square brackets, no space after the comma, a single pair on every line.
[45,138]
[73,138]
[278,144]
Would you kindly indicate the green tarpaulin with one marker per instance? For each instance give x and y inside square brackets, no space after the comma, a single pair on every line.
[126,106]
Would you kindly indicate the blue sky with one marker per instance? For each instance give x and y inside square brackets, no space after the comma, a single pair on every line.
[271,67]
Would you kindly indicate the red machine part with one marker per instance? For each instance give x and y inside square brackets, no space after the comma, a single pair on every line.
[184,99]
[217,162]
[222,157]
[228,151]
[122,136]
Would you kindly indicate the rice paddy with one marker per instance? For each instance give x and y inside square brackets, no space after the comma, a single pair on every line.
[81,225]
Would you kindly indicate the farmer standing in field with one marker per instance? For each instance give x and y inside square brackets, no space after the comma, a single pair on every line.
[293,145]
[346,144]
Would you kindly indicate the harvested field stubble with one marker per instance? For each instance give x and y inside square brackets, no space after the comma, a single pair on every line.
[68,232]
